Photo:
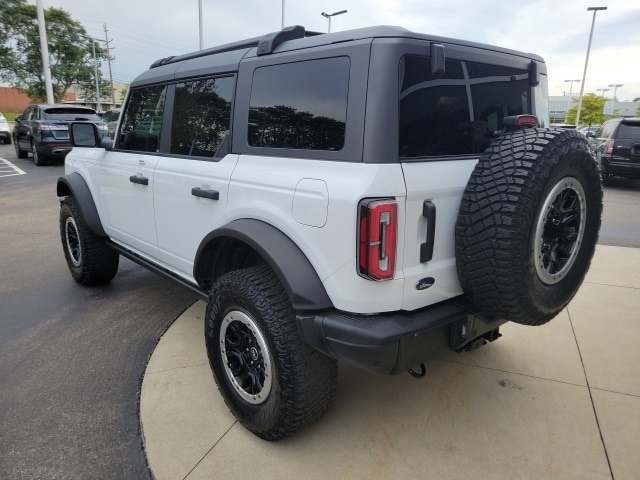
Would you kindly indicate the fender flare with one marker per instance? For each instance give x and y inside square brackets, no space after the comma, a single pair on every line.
[298,277]
[73,184]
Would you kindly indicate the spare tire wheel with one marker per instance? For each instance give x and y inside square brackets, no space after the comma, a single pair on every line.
[528,224]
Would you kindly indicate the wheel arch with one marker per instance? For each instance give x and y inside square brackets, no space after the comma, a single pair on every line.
[248,242]
[74,185]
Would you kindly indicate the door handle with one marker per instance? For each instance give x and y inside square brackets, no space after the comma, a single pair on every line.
[139,180]
[211,194]
[426,248]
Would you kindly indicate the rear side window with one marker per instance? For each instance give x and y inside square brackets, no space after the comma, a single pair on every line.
[201,116]
[456,114]
[142,121]
[300,105]
[607,129]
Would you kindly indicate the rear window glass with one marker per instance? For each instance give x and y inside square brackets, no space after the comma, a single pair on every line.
[300,105]
[201,116]
[71,114]
[631,132]
[457,113]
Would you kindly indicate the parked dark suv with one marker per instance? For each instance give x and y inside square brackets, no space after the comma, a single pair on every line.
[43,130]
[617,147]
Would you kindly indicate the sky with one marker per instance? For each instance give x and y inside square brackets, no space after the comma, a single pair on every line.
[142,31]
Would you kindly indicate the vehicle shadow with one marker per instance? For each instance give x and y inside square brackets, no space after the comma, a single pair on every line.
[622,183]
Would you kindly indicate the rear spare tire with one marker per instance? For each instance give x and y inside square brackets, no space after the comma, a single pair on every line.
[528,224]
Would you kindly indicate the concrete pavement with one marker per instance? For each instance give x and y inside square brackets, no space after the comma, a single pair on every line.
[561,401]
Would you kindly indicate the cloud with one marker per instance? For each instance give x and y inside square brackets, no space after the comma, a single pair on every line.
[559,31]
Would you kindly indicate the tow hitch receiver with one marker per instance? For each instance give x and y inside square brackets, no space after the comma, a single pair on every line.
[472,333]
[481,340]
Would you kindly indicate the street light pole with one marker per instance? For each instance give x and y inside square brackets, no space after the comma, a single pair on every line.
[200,23]
[586,62]
[329,15]
[44,50]
[602,90]
[282,25]
[570,91]
[615,89]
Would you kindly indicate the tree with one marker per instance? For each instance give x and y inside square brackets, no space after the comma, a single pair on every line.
[591,111]
[70,52]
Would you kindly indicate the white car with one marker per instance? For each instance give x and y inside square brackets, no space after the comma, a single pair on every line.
[374,196]
[5,132]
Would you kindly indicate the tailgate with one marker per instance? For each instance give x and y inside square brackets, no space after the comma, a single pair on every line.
[59,130]
[433,277]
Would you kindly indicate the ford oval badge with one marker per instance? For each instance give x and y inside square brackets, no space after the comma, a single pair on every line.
[425,283]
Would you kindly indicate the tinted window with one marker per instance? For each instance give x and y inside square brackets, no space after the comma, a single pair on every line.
[201,116]
[142,119]
[456,114]
[629,132]
[300,105]
[607,129]
[111,116]
[71,114]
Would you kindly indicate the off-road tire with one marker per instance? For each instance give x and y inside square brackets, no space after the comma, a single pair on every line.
[297,383]
[528,224]
[89,259]
[38,158]
[19,152]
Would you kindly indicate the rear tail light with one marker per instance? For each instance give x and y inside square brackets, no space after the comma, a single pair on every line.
[377,239]
[608,149]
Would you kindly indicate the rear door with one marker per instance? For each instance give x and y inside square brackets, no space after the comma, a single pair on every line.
[191,184]
[22,129]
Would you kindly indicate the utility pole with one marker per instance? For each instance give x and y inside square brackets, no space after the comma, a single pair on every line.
[106,41]
[95,74]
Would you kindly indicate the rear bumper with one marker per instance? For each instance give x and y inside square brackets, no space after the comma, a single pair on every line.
[621,168]
[393,342]
[54,149]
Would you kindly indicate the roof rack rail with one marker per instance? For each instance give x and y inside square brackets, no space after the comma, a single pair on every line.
[266,45]
[270,42]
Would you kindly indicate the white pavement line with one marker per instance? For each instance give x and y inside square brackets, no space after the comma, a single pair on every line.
[14,170]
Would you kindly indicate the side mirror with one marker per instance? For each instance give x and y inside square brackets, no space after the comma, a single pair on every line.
[18,119]
[84,134]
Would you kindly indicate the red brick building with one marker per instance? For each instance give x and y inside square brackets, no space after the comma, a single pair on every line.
[14,101]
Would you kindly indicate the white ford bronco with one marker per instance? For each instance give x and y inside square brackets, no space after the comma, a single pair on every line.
[373,196]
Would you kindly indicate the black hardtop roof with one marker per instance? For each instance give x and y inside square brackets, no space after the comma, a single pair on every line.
[292,38]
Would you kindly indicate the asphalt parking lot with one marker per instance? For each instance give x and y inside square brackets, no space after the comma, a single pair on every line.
[561,401]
